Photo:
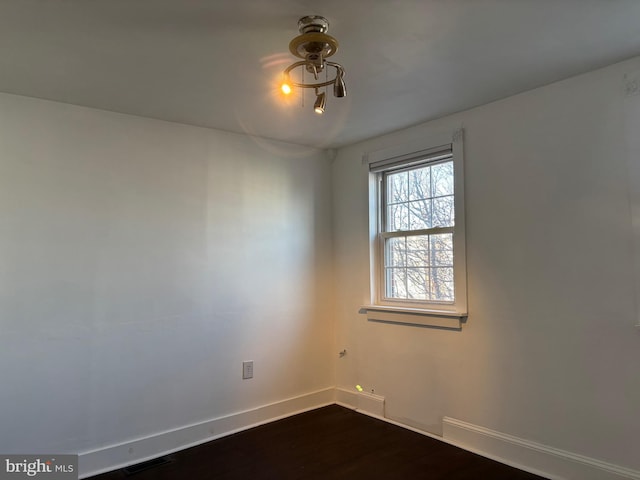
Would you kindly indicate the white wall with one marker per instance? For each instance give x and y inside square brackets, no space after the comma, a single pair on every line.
[550,352]
[140,263]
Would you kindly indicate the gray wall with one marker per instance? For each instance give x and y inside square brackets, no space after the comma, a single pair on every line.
[140,263]
[550,352]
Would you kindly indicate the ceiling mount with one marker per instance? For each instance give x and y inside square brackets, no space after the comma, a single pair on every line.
[314,46]
[313,24]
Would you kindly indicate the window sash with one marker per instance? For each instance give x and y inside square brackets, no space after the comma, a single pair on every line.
[384,266]
[383,201]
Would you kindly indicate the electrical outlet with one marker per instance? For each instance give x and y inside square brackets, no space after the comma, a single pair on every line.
[247,369]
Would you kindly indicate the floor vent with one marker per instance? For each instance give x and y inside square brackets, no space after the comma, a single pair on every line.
[140,467]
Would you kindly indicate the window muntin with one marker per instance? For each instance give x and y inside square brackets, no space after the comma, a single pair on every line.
[418,219]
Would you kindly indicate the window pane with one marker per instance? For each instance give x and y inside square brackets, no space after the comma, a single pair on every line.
[396,252]
[441,250]
[442,284]
[419,214]
[396,283]
[418,251]
[442,258]
[419,183]
[442,176]
[417,283]
[441,241]
[397,217]
[397,187]
[443,212]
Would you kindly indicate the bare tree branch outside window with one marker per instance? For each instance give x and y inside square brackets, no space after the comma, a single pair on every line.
[418,258]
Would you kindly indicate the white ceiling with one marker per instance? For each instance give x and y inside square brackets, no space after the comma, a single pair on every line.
[217,63]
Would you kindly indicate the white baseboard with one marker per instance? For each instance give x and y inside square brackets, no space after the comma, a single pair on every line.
[371,403]
[139,450]
[346,398]
[363,402]
[533,457]
[527,455]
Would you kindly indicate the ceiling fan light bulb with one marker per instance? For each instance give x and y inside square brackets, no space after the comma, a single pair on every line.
[318,106]
[339,88]
[286,84]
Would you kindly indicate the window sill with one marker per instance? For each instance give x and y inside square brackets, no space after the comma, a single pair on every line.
[443,319]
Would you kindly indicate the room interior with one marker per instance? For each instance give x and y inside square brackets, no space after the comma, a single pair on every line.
[168,214]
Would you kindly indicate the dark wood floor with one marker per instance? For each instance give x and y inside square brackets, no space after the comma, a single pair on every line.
[328,443]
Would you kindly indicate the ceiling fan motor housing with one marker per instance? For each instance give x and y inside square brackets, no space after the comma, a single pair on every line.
[313,44]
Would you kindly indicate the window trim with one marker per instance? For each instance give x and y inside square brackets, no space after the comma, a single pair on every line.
[435,314]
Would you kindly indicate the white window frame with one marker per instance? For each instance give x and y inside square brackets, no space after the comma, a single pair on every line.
[434,314]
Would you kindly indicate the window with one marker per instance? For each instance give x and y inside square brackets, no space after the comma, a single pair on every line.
[417,234]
